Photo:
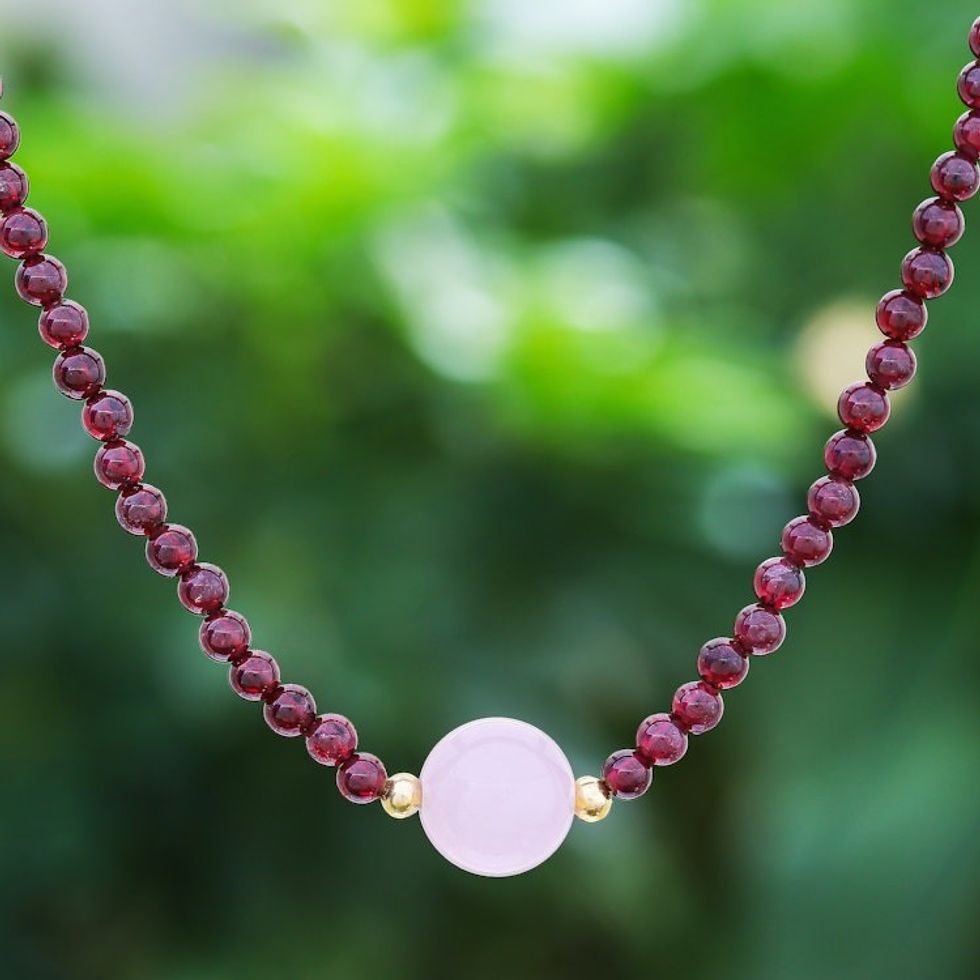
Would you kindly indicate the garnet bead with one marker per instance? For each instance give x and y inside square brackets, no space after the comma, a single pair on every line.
[290,711]
[697,707]
[22,233]
[41,280]
[938,223]
[332,740]
[660,741]
[64,325]
[362,778]
[806,543]
[968,85]
[13,186]
[721,664]
[779,583]
[79,372]
[966,134]
[901,315]
[141,509]
[225,635]
[926,273]
[863,407]
[759,630]
[955,176]
[850,455]
[626,774]
[107,415]
[203,588]
[119,463]
[9,136]
[890,365]
[171,550]
[254,676]
[833,502]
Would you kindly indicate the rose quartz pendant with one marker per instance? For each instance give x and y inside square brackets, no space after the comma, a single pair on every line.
[498,797]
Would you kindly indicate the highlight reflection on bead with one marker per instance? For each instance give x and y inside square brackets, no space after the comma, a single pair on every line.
[592,800]
[402,795]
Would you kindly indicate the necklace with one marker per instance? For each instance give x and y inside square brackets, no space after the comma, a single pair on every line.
[497,796]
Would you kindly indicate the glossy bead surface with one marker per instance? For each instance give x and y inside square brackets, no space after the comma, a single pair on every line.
[23,232]
[759,630]
[660,740]
[14,186]
[966,134]
[900,315]
[290,710]
[863,407]
[78,372]
[806,542]
[107,415]
[890,364]
[141,509]
[118,464]
[225,636]
[362,778]
[63,325]
[626,774]
[254,676]
[402,795]
[697,707]
[849,455]
[779,583]
[9,136]
[592,800]
[955,176]
[721,664]
[41,280]
[833,501]
[332,740]
[927,273]
[171,550]
[938,223]
[968,85]
[203,588]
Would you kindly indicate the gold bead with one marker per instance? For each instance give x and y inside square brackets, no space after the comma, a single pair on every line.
[592,799]
[402,796]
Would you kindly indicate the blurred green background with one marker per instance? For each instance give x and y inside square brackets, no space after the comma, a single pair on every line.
[488,345]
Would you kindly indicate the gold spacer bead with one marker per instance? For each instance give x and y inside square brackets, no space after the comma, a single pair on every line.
[592,799]
[402,795]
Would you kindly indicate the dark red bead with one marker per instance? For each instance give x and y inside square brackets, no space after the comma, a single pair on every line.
[290,711]
[927,273]
[78,372]
[955,176]
[626,774]
[203,588]
[362,778]
[697,707]
[225,635]
[759,630]
[64,325]
[41,280]
[900,315]
[660,741]
[833,502]
[850,455]
[863,407]
[805,542]
[254,676]
[141,509]
[721,664]
[9,136]
[119,463]
[171,549]
[779,583]
[14,186]
[938,223]
[968,85]
[890,364]
[975,37]
[966,134]
[332,740]
[23,232]
[107,415]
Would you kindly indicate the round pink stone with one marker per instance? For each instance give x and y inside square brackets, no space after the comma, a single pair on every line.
[498,797]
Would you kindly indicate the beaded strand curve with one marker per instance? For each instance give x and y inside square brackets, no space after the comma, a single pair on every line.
[759,629]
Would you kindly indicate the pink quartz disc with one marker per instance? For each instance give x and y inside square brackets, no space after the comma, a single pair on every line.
[498,797]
